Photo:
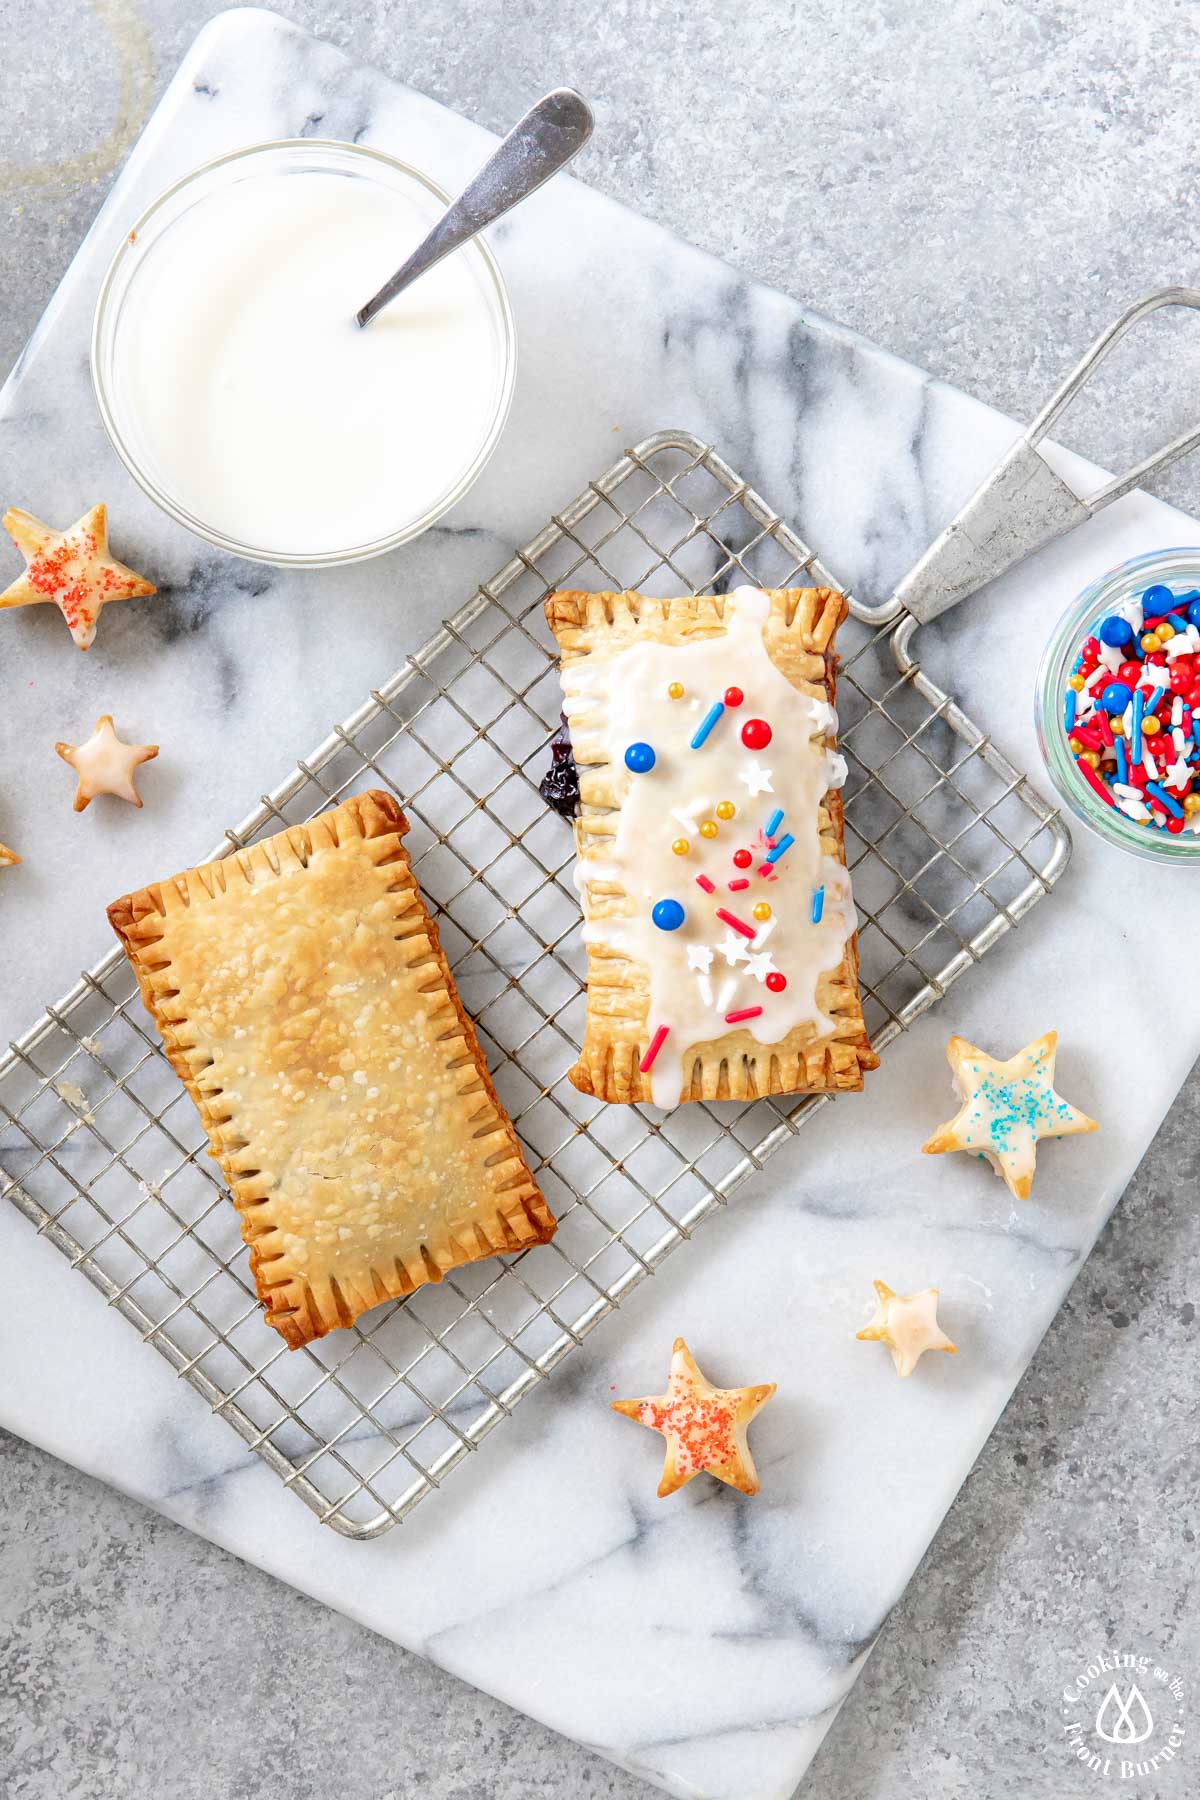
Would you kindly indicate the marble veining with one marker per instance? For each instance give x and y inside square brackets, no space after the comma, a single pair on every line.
[704,1641]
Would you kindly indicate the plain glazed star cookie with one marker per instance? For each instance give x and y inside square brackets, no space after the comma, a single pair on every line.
[105,765]
[705,1427]
[1006,1108]
[907,1324]
[71,568]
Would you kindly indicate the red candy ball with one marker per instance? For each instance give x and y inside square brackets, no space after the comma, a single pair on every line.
[756,734]
[1130,673]
[742,859]
[1173,825]
[733,696]
[776,982]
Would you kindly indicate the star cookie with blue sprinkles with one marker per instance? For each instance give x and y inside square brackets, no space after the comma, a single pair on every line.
[1007,1107]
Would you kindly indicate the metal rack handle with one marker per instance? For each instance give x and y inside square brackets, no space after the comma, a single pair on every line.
[1023,504]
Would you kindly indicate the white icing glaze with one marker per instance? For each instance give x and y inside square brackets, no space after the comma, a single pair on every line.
[623,699]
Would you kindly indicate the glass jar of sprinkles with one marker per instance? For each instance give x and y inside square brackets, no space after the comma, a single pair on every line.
[1160,819]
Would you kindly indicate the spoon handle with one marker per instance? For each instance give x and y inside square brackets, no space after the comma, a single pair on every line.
[536,148]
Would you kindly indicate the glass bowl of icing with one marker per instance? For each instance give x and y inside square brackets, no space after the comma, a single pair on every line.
[238,389]
[1119,593]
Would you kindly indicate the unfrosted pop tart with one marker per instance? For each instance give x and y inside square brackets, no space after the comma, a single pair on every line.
[718,918]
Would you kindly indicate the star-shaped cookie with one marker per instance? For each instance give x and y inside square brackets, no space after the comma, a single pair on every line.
[705,1427]
[1006,1108]
[8,858]
[72,568]
[105,765]
[907,1324]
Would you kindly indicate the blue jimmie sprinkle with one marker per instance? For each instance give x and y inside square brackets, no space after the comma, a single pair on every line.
[781,848]
[776,820]
[1068,714]
[1196,726]
[818,904]
[1164,799]
[1135,730]
[707,722]
[1122,765]
[1175,620]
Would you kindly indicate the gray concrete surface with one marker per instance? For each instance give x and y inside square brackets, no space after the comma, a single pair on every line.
[980,187]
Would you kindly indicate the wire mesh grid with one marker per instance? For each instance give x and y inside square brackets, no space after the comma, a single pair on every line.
[948,847]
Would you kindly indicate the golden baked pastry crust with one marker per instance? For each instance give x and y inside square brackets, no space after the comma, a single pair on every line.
[306,1003]
[798,635]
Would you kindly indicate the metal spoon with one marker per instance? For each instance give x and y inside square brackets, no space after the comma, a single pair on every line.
[537,147]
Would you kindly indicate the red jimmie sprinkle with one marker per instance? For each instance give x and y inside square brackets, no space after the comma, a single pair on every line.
[736,924]
[702,881]
[1093,780]
[747,1012]
[653,1048]
[735,887]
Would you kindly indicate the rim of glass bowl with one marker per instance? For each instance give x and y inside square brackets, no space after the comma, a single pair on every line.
[1132,577]
[103,328]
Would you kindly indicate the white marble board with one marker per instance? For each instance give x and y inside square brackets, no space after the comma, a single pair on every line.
[705,1642]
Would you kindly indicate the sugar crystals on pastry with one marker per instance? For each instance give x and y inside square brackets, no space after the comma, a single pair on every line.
[907,1324]
[705,1427]
[305,1001]
[72,569]
[1006,1108]
[105,765]
[718,919]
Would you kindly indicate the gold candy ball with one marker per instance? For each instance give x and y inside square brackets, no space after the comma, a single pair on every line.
[760,912]
[1076,681]
[1150,727]
[1149,641]
[726,809]
[709,828]
[1191,803]
[1164,632]
[1075,744]
[676,690]
[1117,726]
[681,846]
[1091,758]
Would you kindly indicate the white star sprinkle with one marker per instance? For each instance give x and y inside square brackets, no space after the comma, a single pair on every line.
[733,949]
[1178,775]
[699,956]
[756,778]
[760,966]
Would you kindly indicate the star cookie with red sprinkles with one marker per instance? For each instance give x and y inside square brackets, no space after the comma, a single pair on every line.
[105,765]
[907,1324]
[705,1426]
[71,568]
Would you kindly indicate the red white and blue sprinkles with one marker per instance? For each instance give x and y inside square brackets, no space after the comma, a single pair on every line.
[1131,710]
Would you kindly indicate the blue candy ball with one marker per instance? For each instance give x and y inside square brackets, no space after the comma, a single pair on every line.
[668,915]
[640,759]
[1116,697]
[1115,631]
[1158,599]
[1193,613]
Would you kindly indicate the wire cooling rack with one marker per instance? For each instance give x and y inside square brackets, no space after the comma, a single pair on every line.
[948,846]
